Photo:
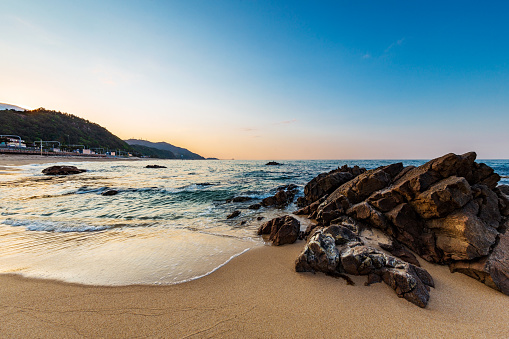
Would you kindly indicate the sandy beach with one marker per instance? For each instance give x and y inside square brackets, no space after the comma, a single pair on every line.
[257,294]
[21,159]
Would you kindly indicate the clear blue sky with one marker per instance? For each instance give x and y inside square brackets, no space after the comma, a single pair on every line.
[270,80]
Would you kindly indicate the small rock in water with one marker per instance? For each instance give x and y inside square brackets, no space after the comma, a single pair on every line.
[155,166]
[273,163]
[234,214]
[109,192]
[239,199]
[255,207]
[62,170]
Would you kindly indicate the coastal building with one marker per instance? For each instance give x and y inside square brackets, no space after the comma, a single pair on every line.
[12,142]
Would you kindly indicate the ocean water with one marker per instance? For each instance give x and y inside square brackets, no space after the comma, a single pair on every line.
[165,226]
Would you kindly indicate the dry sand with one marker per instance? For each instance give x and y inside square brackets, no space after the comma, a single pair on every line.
[256,295]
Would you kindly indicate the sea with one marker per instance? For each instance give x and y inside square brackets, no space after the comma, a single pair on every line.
[165,225]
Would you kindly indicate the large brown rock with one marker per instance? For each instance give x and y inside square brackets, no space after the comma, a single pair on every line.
[362,186]
[462,235]
[492,270]
[282,230]
[325,183]
[442,198]
[323,255]
[62,170]
[320,254]
[408,281]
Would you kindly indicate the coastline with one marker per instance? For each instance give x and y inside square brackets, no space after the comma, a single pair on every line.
[257,294]
[22,159]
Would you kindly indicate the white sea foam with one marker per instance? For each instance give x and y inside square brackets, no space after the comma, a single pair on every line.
[53,226]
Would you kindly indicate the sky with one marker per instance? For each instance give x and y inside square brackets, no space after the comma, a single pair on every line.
[270,79]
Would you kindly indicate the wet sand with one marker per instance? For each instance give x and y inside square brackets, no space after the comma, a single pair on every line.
[256,295]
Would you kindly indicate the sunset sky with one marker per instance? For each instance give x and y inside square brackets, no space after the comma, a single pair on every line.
[270,79]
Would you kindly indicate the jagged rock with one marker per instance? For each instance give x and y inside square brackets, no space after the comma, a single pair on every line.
[62,170]
[282,230]
[109,192]
[282,198]
[398,250]
[385,199]
[155,166]
[352,257]
[341,234]
[410,282]
[492,270]
[320,254]
[503,189]
[503,199]
[255,206]
[326,183]
[409,229]
[234,214]
[365,212]
[442,198]
[462,235]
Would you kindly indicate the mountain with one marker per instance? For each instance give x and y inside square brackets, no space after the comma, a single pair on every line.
[13,107]
[180,152]
[153,152]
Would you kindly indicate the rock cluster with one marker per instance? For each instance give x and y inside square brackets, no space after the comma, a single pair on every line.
[449,211]
[62,170]
[337,249]
[283,197]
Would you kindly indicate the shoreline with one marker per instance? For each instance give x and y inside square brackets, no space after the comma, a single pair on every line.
[257,294]
[23,159]
[254,294]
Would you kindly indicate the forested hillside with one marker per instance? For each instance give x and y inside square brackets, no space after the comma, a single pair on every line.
[51,125]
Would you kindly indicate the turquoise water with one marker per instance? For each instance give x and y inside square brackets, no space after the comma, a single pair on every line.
[164,226]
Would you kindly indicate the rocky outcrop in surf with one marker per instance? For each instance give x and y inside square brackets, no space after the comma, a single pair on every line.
[62,170]
[155,166]
[448,211]
[283,197]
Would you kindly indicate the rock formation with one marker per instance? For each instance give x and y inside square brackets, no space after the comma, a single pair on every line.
[283,197]
[234,214]
[336,249]
[282,230]
[449,211]
[62,170]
